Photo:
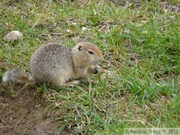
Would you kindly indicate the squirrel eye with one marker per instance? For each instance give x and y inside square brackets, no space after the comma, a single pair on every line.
[90,52]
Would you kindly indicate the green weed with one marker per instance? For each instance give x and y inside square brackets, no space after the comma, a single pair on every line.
[140,43]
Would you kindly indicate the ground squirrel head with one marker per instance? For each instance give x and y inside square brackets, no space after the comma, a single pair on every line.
[86,54]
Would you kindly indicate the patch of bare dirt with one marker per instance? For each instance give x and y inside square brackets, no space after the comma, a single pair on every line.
[26,114]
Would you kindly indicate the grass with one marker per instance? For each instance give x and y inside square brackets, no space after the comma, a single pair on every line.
[140,43]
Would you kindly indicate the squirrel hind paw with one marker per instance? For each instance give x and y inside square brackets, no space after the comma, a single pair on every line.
[71,84]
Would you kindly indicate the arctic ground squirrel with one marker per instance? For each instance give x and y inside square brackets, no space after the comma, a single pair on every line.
[59,65]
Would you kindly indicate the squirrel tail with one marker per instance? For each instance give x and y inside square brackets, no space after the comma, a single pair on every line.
[18,76]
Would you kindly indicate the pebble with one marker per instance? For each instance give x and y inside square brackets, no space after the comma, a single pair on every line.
[13,36]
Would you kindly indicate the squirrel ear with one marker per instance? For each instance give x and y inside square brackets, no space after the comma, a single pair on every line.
[80,48]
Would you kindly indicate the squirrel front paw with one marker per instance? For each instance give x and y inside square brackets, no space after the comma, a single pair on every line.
[95,69]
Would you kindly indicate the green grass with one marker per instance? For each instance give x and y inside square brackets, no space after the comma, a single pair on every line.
[140,43]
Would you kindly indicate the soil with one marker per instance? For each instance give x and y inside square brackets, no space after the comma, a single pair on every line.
[25,113]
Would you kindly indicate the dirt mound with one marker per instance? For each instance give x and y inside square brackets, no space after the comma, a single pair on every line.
[25,114]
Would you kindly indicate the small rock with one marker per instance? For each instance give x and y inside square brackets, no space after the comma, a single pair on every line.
[13,36]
